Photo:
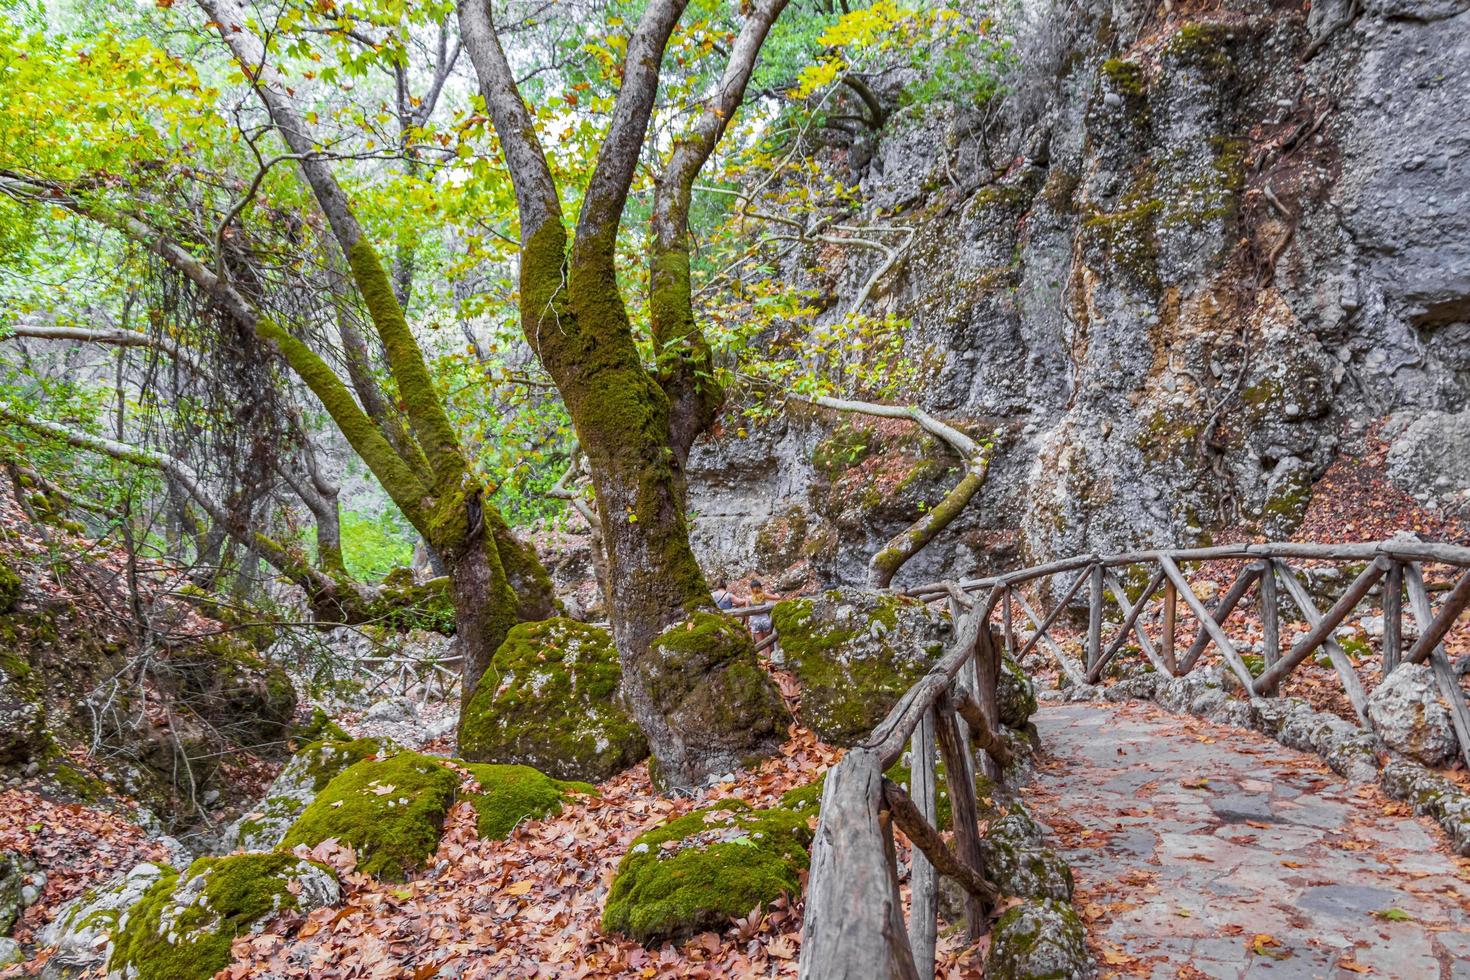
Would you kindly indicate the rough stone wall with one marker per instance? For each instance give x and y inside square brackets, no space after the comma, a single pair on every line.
[1208,254]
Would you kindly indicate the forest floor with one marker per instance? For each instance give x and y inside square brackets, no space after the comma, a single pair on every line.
[1206,851]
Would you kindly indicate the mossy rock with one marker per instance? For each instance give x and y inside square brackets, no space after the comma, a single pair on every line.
[511,794]
[701,870]
[550,699]
[183,926]
[22,712]
[1040,939]
[320,727]
[390,810]
[10,587]
[855,652]
[247,698]
[701,675]
[307,773]
[1019,862]
[1015,695]
[404,604]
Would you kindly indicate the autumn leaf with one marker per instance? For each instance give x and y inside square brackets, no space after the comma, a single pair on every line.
[1265,944]
[1394,915]
[1353,966]
[519,888]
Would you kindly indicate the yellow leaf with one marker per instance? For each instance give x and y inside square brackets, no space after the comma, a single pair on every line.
[519,888]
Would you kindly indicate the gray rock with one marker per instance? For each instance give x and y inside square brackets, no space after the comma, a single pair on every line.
[1430,458]
[10,952]
[81,926]
[391,709]
[1410,715]
[1039,938]
[12,883]
[1015,695]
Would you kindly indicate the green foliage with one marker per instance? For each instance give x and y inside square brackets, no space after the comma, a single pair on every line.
[375,544]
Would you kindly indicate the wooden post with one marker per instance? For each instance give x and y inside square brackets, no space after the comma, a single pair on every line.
[1166,651]
[1439,662]
[961,780]
[1321,633]
[1227,649]
[923,879]
[1005,618]
[1393,618]
[1267,604]
[1094,615]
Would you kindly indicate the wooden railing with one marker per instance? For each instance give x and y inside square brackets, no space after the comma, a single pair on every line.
[855,925]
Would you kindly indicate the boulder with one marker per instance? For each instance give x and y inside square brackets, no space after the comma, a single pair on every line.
[10,953]
[1410,715]
[12,882]
[390,810]
[84,928]
[181,928]
[503,796]
[1015,694]
[307,774]
[1041,937]
[1019,862]
[550,699]
[705,868]
[856,652]
[22,712]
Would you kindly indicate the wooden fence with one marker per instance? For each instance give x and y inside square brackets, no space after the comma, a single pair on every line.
[855,925]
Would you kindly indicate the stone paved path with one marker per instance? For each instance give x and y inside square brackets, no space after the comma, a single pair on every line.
[1205,851]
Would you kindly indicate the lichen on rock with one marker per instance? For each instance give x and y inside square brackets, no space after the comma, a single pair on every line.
[699,871]
[1409,713]
[390,810]
[1015,695]
[856,652]
[182,926]
[550,699]
[22,711]
[84,928]
[508,795]
[1040,939]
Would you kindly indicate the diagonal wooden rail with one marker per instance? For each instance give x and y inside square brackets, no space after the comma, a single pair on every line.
[855,925]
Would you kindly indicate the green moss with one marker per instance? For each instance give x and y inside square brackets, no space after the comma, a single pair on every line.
[699,871]
[1128,233]
[1124,77]
[329,757]
[1200,45]
[511,794]
[402,604]
[550,699]
[320,727]
[83,787]
[392,811]
[697,648]
[1039,939]
[191,940]
[9,587]
[847,446]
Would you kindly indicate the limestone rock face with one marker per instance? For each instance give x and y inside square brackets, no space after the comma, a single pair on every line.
[1410,715]
[12,881]
[22,712]
[550,699]
[856,652]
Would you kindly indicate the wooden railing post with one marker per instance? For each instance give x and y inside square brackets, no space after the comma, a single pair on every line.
[1393,617]
[1006,624]
[1269,608]
[1166,642]
[1094,615]
[963,811]
[923,879]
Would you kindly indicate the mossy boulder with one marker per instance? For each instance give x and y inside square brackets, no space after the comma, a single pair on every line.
[508,795]
[699,871]
[702,677]
[184,924]
[550,699]
[856,652]
[10,587]
[1040,939]
[320,727]
[297,784]
[22,712]
[82,930]
[1015,695]
[245,696]
[1019,862]
[390,810]
[12,880]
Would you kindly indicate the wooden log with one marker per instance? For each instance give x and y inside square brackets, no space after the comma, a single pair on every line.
[1299,595]
[983,676]
[1094,614]
[1166,641]
[1069,666]
[956,753]
[1052,616]
[1130,622]
[740,612]
[983,732]
[853,927]
[1219,614]
[769,641]
[1393,618]
[1439,661]
[1216,633]
[923,879]
[1007,625]
[929,842]
[1449,611]
[1270,609]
